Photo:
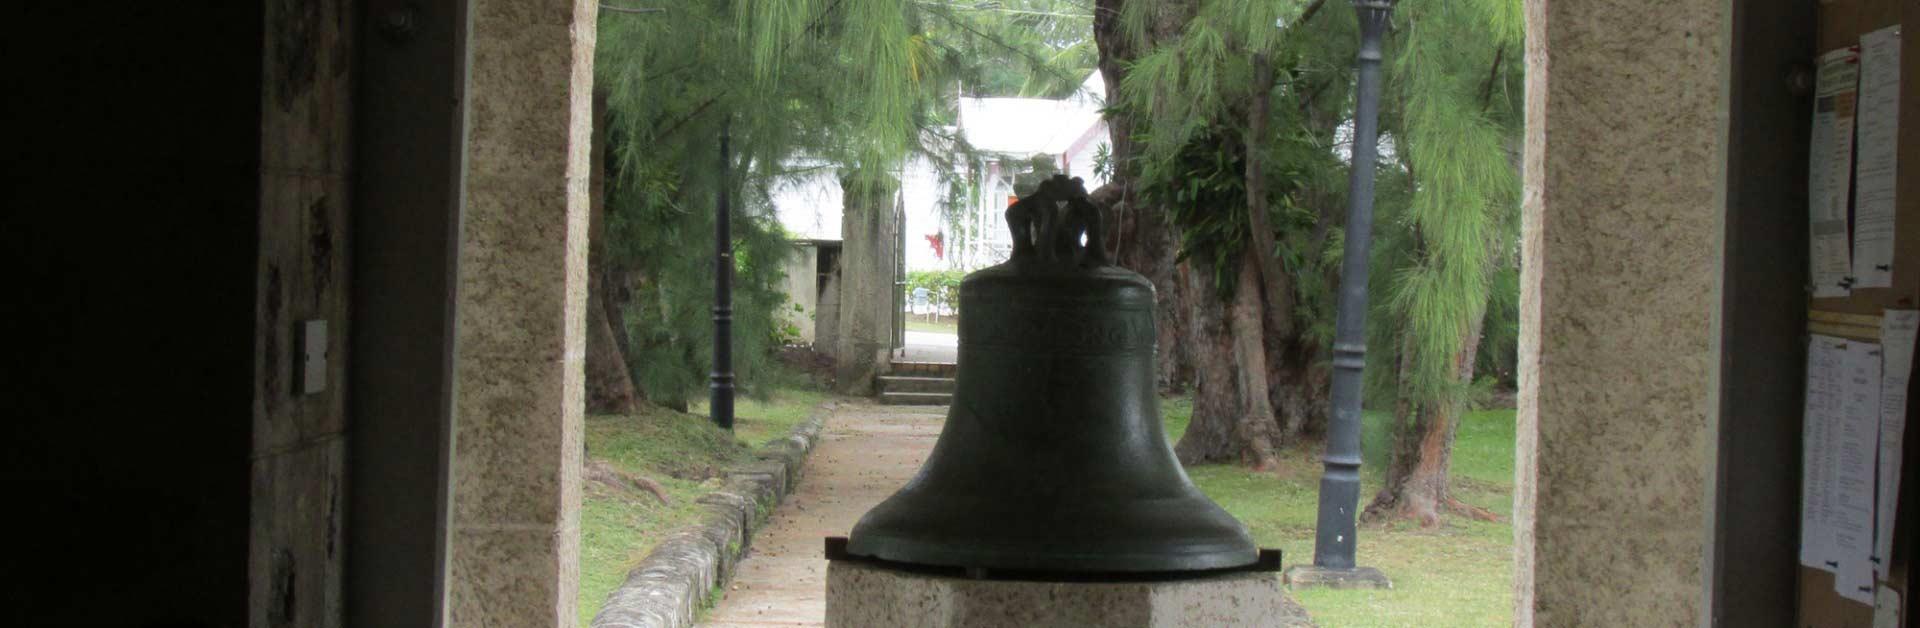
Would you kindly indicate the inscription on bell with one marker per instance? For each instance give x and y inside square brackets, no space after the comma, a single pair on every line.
[1078,331]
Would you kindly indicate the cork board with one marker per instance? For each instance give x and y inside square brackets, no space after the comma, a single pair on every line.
[1841,22]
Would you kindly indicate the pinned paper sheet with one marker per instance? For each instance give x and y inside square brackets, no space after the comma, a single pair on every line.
[1855,448]
[1830,172]
[1825,363]
[1886,608]
[1877,171]
[1898,330]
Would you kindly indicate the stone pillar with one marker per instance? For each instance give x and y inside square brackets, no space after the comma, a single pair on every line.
[519,315]
[1625,169]
[867,267]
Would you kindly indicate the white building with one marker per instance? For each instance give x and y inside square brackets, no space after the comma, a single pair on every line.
[1010,132]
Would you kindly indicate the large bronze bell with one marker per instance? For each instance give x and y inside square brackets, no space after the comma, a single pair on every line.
[1053,458]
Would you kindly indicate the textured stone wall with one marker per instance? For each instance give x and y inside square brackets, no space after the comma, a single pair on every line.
[1626,111]
[299,435]
[520,315]
[869,234]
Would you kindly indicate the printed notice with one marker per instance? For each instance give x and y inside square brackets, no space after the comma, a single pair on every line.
[1830,172]
[1825,356]
[1876,173]
[1898,330]
[1854,449]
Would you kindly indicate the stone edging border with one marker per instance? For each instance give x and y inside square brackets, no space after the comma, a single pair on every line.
[682,573]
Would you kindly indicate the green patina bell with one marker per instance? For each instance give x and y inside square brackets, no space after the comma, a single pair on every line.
[1053,458]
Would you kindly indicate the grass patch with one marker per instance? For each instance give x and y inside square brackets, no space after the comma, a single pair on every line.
[1456,574]
[758,420]
[683,452]
[945,326]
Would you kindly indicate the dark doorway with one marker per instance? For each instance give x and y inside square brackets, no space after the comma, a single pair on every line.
[131,217]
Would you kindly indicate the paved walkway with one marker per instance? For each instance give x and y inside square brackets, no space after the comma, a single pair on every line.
[929,346]
[869,451]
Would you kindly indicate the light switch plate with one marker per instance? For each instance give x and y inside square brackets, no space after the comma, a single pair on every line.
[310,366]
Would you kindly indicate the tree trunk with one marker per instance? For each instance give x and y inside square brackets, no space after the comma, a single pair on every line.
[1141,240]
[1297,384]
[1255,427]
[1417,476]
[1300,385]
[1232,416]
[1209,436]
[1274,281]
[609,383]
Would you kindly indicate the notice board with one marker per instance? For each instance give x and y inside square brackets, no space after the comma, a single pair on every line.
[1855,314]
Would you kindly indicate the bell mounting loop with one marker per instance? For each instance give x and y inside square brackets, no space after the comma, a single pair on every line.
[1057,227]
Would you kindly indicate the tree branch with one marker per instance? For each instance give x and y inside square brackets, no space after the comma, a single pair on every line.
[1486,88]
[1279,301]
[1035,61]
[1310,10]
[811,26]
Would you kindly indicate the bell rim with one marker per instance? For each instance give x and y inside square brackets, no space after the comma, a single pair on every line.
[1218,555]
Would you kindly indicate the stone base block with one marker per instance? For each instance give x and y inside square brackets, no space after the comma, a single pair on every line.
[864,594]
[1307,576]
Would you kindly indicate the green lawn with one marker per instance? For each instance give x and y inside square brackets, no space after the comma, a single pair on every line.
[1457,574]
[757,421]
[685,454]
[945,326]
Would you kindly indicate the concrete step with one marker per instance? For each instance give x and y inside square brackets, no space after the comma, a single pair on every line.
[916,399]
[915,384]
[926,369]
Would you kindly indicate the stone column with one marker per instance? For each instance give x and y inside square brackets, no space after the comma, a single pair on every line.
[520,315]
[865,314]
[1625,160]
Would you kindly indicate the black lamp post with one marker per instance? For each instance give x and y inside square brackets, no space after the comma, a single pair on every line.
[1333,544]
[720,402]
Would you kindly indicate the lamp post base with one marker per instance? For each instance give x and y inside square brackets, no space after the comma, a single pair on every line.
[1315,576]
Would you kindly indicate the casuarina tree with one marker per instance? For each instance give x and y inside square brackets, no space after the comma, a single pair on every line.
[1230,162]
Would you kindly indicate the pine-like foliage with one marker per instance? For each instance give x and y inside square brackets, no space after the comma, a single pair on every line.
[1447,203]
[1453,110]
[828,81]
[853,85]
[1192,98]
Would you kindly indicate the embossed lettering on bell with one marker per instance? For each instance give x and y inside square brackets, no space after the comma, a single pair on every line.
[1053,458]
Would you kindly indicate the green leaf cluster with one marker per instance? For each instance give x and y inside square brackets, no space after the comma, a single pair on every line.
[1446,208]
[853,86]
[943,286]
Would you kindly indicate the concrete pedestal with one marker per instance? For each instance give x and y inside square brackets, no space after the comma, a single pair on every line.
[864,594]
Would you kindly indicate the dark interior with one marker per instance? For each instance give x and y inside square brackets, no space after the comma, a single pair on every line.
[131,217]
